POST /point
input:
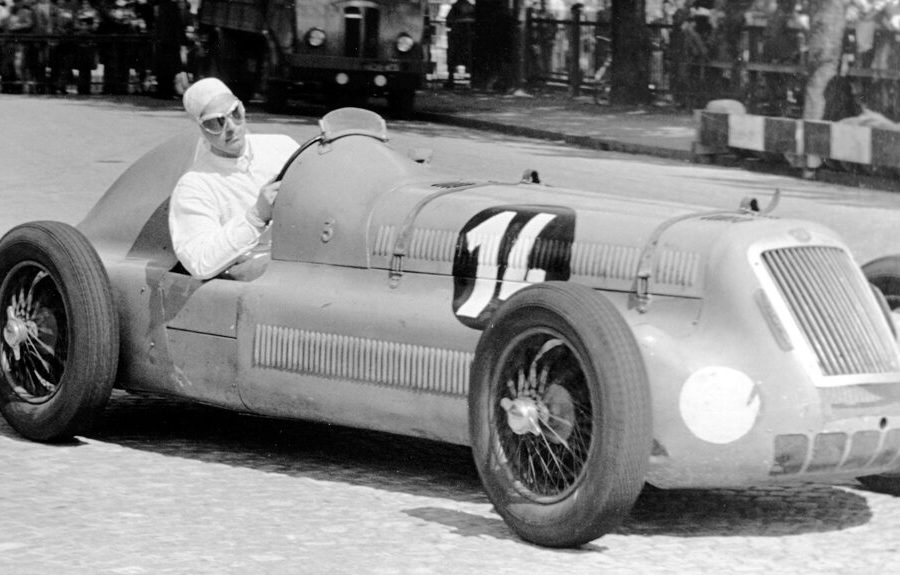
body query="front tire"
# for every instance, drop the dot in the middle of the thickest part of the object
(884, 274)
(59, 337)
(559, 414)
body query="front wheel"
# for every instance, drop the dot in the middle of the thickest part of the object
(59, 339)
(884, 274)
(559, 414)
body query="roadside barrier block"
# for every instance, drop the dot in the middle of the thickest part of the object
(843, 142)
(807, 141)
(886, 147)
(719, 133)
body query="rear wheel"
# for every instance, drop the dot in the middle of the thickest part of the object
(59, 344)
(884, 273)
(560, 414)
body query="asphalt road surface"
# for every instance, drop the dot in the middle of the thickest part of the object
(161, 486)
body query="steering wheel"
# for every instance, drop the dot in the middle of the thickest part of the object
(297, 152)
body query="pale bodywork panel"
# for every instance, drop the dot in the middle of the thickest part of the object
(371, 309)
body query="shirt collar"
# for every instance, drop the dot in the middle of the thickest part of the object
(241, 163)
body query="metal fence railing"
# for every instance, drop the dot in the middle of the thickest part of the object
(76, 63)
(574, 53)
(764, 68)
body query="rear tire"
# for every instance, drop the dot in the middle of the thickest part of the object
(559, 414)
(884, 273)
(59, 337)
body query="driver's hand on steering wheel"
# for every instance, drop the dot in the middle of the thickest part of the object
(262, 210)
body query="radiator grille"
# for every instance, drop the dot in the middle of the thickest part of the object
(833, 306)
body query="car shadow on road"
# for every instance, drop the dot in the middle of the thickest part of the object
(767, 511)
(383, 461)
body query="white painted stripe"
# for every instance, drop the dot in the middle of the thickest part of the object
(851, 143)
(746, 132)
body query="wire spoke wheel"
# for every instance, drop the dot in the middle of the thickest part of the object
(546, 406)
(34, 327)
(58, 331)
(559, 414)
(884, 274)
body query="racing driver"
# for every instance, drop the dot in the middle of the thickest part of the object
(222, 206)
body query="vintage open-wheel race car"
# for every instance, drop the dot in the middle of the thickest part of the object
(582, 344)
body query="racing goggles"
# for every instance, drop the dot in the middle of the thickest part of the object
(215, 123)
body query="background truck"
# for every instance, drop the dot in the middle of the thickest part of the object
(339, 51)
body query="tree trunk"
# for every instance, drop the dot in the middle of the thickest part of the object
(826, 36)
(630, 75)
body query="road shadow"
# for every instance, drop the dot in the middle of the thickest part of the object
(748, 512)
(295, 448)
(771, 511)
(426, 468)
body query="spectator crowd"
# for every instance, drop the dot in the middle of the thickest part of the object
(90, 46)
(773, 33)
(872, 26)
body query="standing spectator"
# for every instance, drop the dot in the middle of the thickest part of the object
(20, 21)
(678, 68)
(87, 19)
(887, 38)
(460, 21)
(169, 38)
(702, 11)
(115, 55)
(144, 11)
(864, 24)
(62, 55)
(46, 16)
(689, 51)
(4, 19)
(541, 37)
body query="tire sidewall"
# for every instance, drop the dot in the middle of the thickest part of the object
(537, 519)
(884, 273)
(75, 398)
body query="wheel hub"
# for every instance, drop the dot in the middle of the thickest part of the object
(16, 331)
(523, 415)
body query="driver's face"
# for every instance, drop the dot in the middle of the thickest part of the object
(232, 139)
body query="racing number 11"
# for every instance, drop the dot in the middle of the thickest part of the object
(488, 238)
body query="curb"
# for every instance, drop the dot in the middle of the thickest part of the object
(590, 142)
(809, 141)
(822, 174)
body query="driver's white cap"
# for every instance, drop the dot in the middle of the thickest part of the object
(201, 93)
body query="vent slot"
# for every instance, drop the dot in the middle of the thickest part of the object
(379, 362)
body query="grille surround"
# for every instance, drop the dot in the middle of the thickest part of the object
(833, 307)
